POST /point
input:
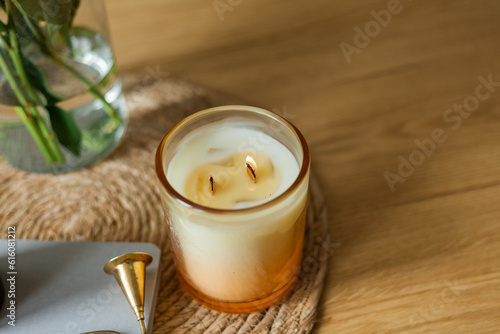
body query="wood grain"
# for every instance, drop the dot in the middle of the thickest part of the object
(421, 259)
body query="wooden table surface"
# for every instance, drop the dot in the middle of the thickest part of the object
(402, 118)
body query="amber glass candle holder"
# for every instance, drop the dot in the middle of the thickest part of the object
(245, 259)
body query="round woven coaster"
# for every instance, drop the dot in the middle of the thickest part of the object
(118, 199)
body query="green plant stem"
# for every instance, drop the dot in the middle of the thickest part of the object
(30, 122)
(34, 130)
(40, 40)
(47, 135)
(18, 65)
(110, 110)
(14, 52)
(44, 46)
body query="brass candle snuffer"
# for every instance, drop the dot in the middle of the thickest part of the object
(130, 273)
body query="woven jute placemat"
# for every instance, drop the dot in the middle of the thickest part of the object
(117, 199)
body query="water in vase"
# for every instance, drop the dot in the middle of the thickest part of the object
(91, 57)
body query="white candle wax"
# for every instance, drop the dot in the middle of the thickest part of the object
(223, 140)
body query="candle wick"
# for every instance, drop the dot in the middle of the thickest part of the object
(251, 172)
(211, 187)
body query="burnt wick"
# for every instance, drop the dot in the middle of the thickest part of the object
(211, 186)
(251, 172)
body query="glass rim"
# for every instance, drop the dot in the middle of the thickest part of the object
(160, 172)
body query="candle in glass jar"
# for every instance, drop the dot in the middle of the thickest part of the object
(235, 198)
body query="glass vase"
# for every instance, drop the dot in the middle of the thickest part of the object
(61, 102)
